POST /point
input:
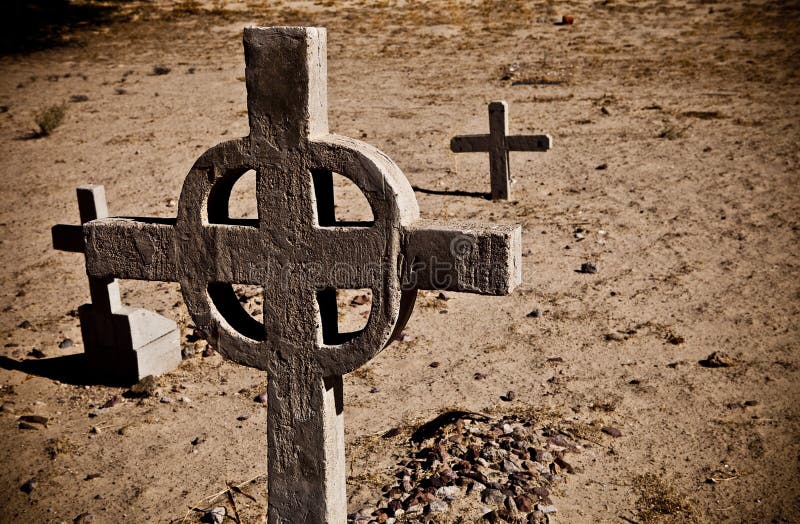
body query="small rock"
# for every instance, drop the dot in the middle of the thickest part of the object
(588, 268)
(567, 20)
(750, 403)
(479, 376)
(208, 351)
(242, 418)
(110, 403)
(434, 364)
(25, 324)
(546, 509)
(29, 486)
(448, 492)
(491, 516)
(602, 167)
(717, 359)
(83, 517)
(524, 504)
(536, 313)
(509, 467)
(215, 515)
(374, 389)
(65, 344)
(404, 337)
(198, 440)
(261, 398)
(443, 296)
(674, 339)
(7, 408)
(438, 506)
(614, 432)
(34, 419)
(509, 396)
(614, 337)
(94, 430)
(185, 400)
(165, 400)
(37, 353)
(144, 388)
(163, 70)
(492, 496)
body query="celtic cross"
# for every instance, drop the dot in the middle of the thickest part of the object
(300, 254)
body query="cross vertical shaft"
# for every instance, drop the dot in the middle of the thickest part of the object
(104, 291)
(498, 150)
(306, 460)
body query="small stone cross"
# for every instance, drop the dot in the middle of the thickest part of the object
(122, 344)
(300, 255)
(498, 143)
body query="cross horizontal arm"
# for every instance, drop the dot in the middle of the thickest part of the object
(528, 142)
(137, 249)
(68, 238)
(469, 144)
(461, 256)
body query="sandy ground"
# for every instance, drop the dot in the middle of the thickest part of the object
(693, 107)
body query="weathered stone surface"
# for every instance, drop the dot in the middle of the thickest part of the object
(498, 143)
(300, 255)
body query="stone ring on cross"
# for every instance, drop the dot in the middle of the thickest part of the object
(300, 255)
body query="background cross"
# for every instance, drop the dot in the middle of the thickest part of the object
(498, 143)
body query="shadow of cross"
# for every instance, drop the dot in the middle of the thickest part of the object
(300, 255)
(498, 143)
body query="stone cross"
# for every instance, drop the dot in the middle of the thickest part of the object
(122, 344)
(300, 255)
(498, 143)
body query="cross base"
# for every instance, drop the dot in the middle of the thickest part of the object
(129, 344)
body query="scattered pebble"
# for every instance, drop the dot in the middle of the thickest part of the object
(161, 70)
(33, 419)
(509, 396)
(536, 313)
(404, 337)
(208, 351)
(215, 515)
(261, 398)
(165, 400)
(588, 268)
(614, 432)
(434, 364)
(479, 376)
(198, 440)
(29, 486)
(602, 167)
(185, 400)
(36, 353)
(443, 296)
(717, 359)
(75, 99)
(65, 344)
(25, 324)
(242, 418)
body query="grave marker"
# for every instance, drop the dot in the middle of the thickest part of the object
(122, 344)
(300, 255)
(498, 143)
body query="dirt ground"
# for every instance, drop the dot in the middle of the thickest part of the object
(675, 168)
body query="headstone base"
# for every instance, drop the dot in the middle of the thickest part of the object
(129, 344)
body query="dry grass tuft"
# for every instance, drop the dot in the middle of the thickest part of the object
(658, 501)
(49, 119)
